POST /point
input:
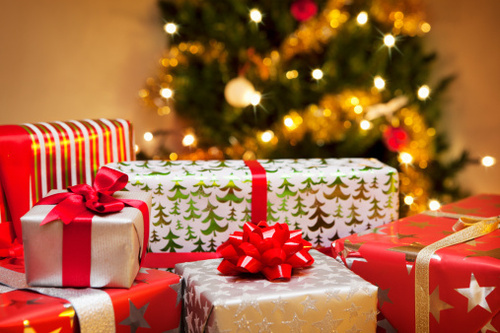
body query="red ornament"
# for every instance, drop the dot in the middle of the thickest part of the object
(303, 10)
(272, 251)
(396, 138)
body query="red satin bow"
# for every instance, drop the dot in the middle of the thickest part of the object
(273, 251)
(81, 198)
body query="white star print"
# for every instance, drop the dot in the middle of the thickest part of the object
(476, 294)
(309, 304)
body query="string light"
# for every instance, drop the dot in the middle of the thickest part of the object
(255, 98)
(362, 18)
(434, 205)
(148, 136)
(317, 74)
(188, 140)
(173, 156)
(405, 158)
(389, 40)
(267, 136)
(379, 82)
(423, 92)
(365, 125)
(170, 28)
(358, 109)
(288, 121)
(409, 200)
(255, 15)
(488, 161)
(166, 92)
(293, 74)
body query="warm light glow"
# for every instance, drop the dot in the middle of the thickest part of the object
(288, 121)
(136, 148)
(173, 156)
(365, 125)
(425, 27)
(362, 18)
(405, 158)
(488, 161)
(423, 92)
(255, 98)
(293, 74)
(354, 100)
(148, 136)
(358, 109)
(170, 28)
(188, 140)
(389, 40)
(434, 205)
(267, 136)
(408, 200)
(166, 92)
(255, 15)
(379, 82)
(317, 74)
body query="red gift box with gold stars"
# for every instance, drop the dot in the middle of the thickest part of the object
(433, 272)
(152, 304)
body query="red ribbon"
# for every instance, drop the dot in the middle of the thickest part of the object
(76, 208)
(272, 251)
(259, 191)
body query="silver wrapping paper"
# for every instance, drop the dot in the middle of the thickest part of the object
(117, 241)
(326, 297)
(94, 308)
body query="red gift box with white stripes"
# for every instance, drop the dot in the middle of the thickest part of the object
(35, 158)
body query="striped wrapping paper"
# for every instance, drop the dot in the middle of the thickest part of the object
(35, 158)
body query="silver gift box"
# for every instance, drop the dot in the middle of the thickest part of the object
(326, 297)
(117, 242)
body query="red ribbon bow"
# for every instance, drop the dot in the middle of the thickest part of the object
(84, 199)
(76, 208)
(273, 251)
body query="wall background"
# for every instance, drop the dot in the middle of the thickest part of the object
(88, 59)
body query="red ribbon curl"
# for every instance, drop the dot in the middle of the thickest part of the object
(76, 208)
(272, 251)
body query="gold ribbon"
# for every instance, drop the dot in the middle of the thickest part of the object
(471, 228)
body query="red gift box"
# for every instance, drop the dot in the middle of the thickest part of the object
(152, 304)
(463, 279)
(35, 158)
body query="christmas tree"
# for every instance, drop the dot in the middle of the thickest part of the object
(307, 78)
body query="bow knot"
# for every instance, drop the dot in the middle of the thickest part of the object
(83, 199)
(273, 251)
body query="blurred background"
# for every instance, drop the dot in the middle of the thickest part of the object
(63, 60)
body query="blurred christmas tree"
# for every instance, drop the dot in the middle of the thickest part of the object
(307, 78)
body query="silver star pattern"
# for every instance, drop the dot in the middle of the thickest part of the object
(353, 329)
(437, 305)
(328, 324)
(177, 287)
(295, 325)
(476, 294)
(264, 326)
(353, 310)
(279, 304)
(309, 304)
(135, 318)
(487, 327)
(243, 323)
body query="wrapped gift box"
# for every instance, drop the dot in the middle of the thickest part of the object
(35, 158)
(115, 246)
(152, 304)
(197, 205)
(464, 279)
(325, 297)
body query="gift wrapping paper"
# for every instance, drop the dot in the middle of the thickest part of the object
(198, 204)
(325, 297)
(116, 245)
(463, 279)
(152, 304)
(38, 157)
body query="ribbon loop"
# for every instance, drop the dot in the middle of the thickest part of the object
(264, 249)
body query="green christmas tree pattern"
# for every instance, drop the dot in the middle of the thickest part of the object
(337, 193)
(212, 218)
(319, 216)
(171, 244)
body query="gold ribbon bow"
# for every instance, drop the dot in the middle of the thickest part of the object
(467, 228)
